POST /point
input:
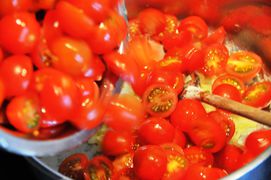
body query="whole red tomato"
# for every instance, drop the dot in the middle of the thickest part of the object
(150, 162)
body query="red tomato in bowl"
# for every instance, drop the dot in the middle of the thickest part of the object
(198, 155)
(228, 91)
(229, 79)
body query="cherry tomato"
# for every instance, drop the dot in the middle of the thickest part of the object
(258, 141)
(44, 4)
(228, 91)
(98, 10)
(228, 158)
(151, 21)
(187, 110)
(245, 158)
(195, 25)
(52, 132)
(59, 95)
(218, 36)
(150, 162)
(96, 69)
(179, 138)
(16, 72)
(258, 95)
(215, 61)
(125, 113)
(122, 66)
(159, 100)
(73, 53)
(198, 155)
(123, 161)
(170, 29)
(155, 131)
(170, 63)
(224, 119)
(133, 28)
(115, 143)
(1, 55)
(50, 26)
(244, 65)
(199, 172)
(23, 112)
(177, 40)
(89, 91)
(99, 167)
(108, 34)
(10, 6)
(176, 165)
(173, 79)
(208, 134)
(73, 20)
(2, 91)
(19, 32)
(74, 165)
(231, 80)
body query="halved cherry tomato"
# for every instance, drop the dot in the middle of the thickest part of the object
(170, 63)
(228, 158)
(151, 158)
(199, 172)
(23, 112)
(99, 167)
(228, 91)
(258, 141)
(208, 134)
(96, 69)
(176, 165)
(74, 165)
(116, 143)
(179, 40)
(133, 28)
(179, 138)
(244, 65)
(55, 131)
(224, 119)
(151, 21)
(198, 155)
(195, 25)
(258, 95)
(159, 100)
(215, 60)
(192, 57)
(245, 158)
(229, 79)
(155, 131)
(173, 79)
(19, 32)
(187, 110)
(125, 113)
(123, 161)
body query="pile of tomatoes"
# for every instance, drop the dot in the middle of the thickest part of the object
(152, 131)
(51, 63)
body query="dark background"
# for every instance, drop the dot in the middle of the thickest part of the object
(15, 167)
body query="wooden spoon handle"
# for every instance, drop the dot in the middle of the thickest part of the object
(250, 112)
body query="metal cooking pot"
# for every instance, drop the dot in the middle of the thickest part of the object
(260, 168)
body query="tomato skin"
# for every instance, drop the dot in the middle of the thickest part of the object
(16, 72)
(23, 112)
(2, 91)
(245, 158)
(258, 94)
(218, 36)
(69, 15)
(179, 138)
(187, 110)
(116, 143)
(258, 141)
(228, 158)
(155, 131)
(159, 100)
(10, 6)
(150, 157)
(225, 121)
(193, 58)
(71, 53)
(19, 38)
(228, 91)
(208, 134)
(229, 79)
(198, 155)
(74, 165)
(198, 172)
(244, 65)
(123, 161)
(151, 21)
(124, 113)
